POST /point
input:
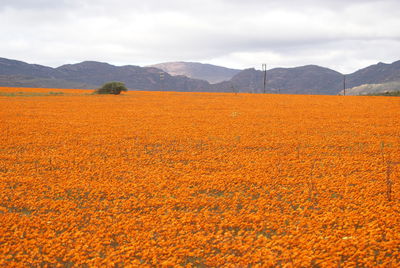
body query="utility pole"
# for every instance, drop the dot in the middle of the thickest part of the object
(264, 68)
(344, 85)
(162, 81)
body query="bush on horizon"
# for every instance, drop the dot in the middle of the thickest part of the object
(114, 88)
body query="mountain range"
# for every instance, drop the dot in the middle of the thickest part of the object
(189, 77)
(211, 73)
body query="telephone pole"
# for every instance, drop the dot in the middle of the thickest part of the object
(264, 68)
(162, 81)
(344, 85)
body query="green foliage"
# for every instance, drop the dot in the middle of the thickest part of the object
(31, 94)
(111, 88)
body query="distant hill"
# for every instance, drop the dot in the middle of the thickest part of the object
(14, 67)
(375, 74)
(40, 82)
(92, 74)
(310, 79)
(371, 89)
(211, 73)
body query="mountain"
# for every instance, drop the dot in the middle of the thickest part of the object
(91, 74)
(14, 67)
(309, 79)
(211, 73)
(368, 89)
(375, 74)
(39, 82)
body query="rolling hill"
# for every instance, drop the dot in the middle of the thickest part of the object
(92, 74)
(370, 89)
(309, 79)
(211, 73)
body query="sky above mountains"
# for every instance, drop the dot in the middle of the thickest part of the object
(342, 35)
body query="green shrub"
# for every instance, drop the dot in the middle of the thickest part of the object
(111, 88)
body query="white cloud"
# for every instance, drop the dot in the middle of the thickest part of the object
(339, 34)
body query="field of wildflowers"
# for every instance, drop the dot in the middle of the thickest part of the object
(196, 179)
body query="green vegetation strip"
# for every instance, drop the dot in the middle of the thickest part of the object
(39, 94)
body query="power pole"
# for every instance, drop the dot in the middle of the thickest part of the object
(162, 81)
(344, 85)
(264, 68)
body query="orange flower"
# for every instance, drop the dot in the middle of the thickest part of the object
(173, 179)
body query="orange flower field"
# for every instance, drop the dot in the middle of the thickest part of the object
(199, 179)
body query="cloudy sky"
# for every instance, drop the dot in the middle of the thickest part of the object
(341, 34)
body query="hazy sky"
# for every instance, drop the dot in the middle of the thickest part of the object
(341, 34)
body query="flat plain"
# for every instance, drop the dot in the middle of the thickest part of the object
(198, 179)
